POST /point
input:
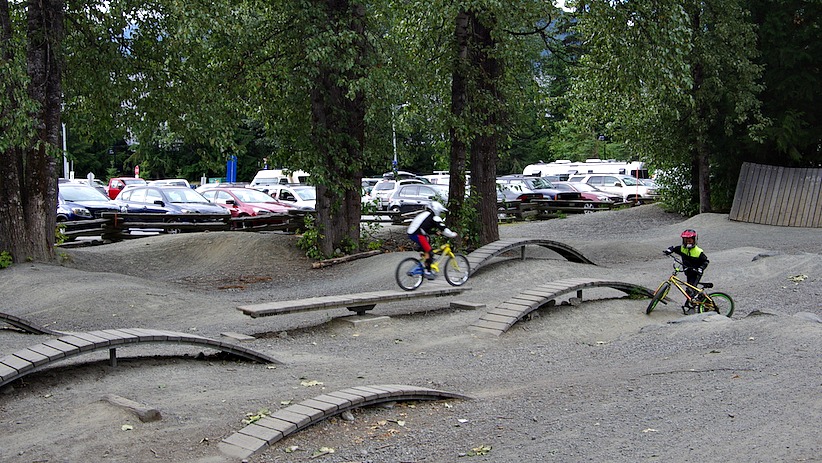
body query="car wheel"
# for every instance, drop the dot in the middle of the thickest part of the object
(588, 208)
(395, 209)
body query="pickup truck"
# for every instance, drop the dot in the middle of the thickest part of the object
(116, 184)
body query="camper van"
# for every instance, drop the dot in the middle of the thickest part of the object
(271, 177)
(565, 168)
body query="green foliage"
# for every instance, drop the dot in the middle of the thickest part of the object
(5, 259)
(675, 81)
(60, 234)
(310, 239)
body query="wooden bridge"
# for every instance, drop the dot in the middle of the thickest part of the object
(38, 356)
(259, 435)
(483, 255)
(499, 319)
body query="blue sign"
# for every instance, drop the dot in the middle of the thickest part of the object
(231, 169)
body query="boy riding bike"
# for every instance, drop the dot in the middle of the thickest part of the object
(693, 258)
(424, 224)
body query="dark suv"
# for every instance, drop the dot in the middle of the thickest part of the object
(531, 184)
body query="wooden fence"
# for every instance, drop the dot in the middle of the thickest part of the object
(770, 195)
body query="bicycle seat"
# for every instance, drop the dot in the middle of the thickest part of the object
(707, 285)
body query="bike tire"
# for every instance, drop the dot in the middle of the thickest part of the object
(457, 270)
(409, 273)
(720, 303)
(659, 295)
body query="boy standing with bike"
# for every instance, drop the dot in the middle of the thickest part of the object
(425, 223)
(693, 258)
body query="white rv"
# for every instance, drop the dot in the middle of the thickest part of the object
(564, 168)
(271, 177)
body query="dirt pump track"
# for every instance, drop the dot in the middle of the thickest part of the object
(600, 381)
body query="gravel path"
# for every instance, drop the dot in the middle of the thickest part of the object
(598, 382)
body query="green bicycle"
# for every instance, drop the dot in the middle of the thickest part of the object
(409, 273)
(695, 296)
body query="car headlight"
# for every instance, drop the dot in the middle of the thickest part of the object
(651, 192)
(81, 212)
(260, 211)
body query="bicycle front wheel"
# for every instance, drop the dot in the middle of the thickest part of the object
(409, 273)
(659, 295)
(457, 270)
(720, 303)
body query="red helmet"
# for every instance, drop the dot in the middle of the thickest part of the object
(688, 238)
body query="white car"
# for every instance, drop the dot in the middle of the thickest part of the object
(303, 197)
(629, 188)
(386, 187)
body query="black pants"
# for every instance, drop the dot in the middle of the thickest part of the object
(693, 279)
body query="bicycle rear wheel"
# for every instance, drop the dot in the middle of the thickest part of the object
(457, 270)
(409, 273)
(720, 303)
(659, 295)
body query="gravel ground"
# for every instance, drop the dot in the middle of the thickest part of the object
(601, 381)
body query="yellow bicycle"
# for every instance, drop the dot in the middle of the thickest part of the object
(695, 296)
(409, 273)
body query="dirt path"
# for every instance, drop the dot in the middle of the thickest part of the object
(598, 382)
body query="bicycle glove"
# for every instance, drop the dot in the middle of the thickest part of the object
(668, 251)
(449, 233)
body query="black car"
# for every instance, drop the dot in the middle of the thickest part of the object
(76, 201)
(529, 184)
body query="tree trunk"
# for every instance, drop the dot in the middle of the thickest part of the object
(28, 185)
(484, 148)
(700, 171)
(338, 135)
(458, 212)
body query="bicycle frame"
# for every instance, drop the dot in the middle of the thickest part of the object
(444, 252)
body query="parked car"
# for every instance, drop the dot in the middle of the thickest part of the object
(507, 195)
(97, 184)
(171, 182)
(76, 201)
(245, 202)
(167, 200)
(587, 191)
(117, 184)
(525, 183)
(416, 196)
(303, 197)
(384, 188)
(627, 187)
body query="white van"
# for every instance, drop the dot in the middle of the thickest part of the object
(271, 177)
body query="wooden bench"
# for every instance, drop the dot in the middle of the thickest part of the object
(358, 302)
(499, 319)
(25, 325)
(33, 358)
(262, 433)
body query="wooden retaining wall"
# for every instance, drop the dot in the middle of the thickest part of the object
(771, 195)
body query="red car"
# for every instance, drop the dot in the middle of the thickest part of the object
(245, 202)
(116, 185)
(587, 191)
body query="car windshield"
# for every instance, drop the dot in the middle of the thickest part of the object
(630, 181)
(540, 183)
(81, 193)
(247, 195)
(585, 187)
(384, 186)
(306, 194)
(133, 181)
(184, 195)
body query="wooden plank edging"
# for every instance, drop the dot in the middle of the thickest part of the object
(33, 358)
(257, 436)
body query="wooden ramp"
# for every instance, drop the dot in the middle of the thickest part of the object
(499, 319)
(483, 255)
(33, 358)
(25, 325)
(358, 302)
(259, 435)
